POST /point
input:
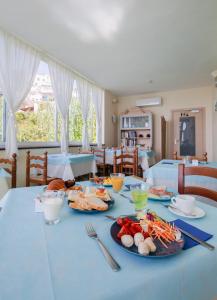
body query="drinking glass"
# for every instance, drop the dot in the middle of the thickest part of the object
(52, 203)
(117, 181)
(140, 197)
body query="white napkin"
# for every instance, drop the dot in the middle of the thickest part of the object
(38, 205)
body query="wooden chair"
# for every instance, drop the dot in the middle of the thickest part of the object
(126, 163)
(10, 166)
(40, 165)
(203, 158)
(86, 151)
(100, 160)
(196, 190)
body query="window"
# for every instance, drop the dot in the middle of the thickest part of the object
(36, 117)
(76, 122)
(38, 120)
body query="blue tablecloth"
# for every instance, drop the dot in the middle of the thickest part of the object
(68, 166)
(4, 174)
(5, 182)
(166, 173)
(62, 159)
(61, 262)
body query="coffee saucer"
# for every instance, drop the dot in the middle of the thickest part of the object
(196, 214)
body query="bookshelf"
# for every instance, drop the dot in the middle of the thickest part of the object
(136, 128)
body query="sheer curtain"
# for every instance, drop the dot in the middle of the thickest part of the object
(62, 82)
(18, 67)
(98, 99)
(84, 90)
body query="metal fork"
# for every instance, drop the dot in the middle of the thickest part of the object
(92, 233)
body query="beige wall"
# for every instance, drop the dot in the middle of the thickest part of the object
(110, 128)
(214, 125)
(178, 99)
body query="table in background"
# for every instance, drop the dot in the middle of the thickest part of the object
(69, 166)
(5, 182)
(146, 157)
(167, 174)
(61, 262)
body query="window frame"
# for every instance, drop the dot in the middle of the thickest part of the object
(27, 145)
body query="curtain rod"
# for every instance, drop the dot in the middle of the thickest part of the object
(44, 54)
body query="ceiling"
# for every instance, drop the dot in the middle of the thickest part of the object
(126, 46)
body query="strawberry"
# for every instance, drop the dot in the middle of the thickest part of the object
(124, 230)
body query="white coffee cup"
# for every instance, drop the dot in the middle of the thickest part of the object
(185, 203)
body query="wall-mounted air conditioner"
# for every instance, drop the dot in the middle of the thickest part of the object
(149, 102)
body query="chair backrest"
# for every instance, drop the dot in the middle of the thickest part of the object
(126, 161)
(85, 151)
(39, 163)
(196, 190)
(10, 166)
(203, 158)
(100, 155)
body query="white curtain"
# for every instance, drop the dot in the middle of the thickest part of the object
(18, 67)
(84, 91)
(62, 82)
(98, 100)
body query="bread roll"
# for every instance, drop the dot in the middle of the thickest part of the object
(56, 184)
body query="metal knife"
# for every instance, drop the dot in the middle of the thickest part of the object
(194, 238)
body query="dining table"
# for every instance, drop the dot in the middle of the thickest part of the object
(47, 262)
(165, 173)
(68, 166)
(146, 158)
(5, 182)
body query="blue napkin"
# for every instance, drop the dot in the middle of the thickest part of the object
(189, 243)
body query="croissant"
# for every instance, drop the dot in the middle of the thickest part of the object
(56, 184)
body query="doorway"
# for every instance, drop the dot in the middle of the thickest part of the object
(188, 132)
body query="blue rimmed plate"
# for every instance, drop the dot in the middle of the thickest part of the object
(93, 211)
(152, 198)
(161, 251)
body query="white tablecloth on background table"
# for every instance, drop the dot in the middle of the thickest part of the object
(166, 173)
(5, 182)
(71, 165)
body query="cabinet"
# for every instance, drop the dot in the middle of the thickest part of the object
(136, 128)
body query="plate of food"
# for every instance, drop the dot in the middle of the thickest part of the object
(159, 193)
(150, 236)
(90, 200)
(105, 181)
(61, 185)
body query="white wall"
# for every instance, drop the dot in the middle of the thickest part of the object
(172, 100)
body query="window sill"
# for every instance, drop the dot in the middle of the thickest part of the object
(43, 145)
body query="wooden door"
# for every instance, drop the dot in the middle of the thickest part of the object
(188, 132)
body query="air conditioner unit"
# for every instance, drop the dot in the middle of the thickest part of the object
(149, 102)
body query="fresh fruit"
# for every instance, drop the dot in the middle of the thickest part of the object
(124, 230)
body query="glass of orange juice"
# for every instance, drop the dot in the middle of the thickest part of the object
(117, 181)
